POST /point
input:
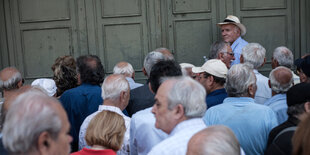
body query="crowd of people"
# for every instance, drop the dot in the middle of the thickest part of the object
(223, 107)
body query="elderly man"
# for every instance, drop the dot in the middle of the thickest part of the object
(141, 97)
(36, 124)
(282, 56)
(280, 80)
(116, 93)
(143, 134)
(126, 69)
(180, 104)
(217, 139)
(250, 122)
(166, 52)
(212, 77)
(232, 30)
(253, 55)
(222, 50)
(10, 81)
(298, 102)
(305, 69)
(83, 100)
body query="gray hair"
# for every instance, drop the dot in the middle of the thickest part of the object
(239, 78)
(151, 59)
(278, 87)
(284, 56)
(123, 68)
(190, 94)
(220, 140)
(113, 85)
(12, 82)
(29, 115)
(253, 55)
(217, 48)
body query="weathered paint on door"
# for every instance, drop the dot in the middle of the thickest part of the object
(34, 32)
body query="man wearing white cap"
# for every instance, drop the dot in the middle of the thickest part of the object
(232, 30)
(212, 77)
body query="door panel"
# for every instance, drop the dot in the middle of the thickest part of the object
(191, 28)
(43, 30)
(122, 32)
(268, 23)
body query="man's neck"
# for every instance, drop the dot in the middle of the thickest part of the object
(214, 88)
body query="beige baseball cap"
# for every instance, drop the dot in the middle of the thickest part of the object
(214, 67)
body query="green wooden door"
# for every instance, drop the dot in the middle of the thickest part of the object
(34, 32)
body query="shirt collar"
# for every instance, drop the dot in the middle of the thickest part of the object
(111, 108)
(239, 100)
(185, 124)
(236, 42)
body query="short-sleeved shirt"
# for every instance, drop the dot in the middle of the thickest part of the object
(250, 122)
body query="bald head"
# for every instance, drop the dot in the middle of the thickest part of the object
(124, 68)
(10, 78)
(281, 79)
(216, 139)
(166, 52)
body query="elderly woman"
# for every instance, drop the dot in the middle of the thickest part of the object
(65, 75)
(104, 134)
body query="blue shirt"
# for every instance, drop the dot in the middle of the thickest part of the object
(216, 97)
(237, 49)
(143, 133)
(278, 104)
(80, 102)
(250, 122)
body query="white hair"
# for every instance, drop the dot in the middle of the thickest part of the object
(151, 59)
(190, 94)
(239, 78)
(123, 68)
(284, 56)
(220, 140)
(253, 55)
(184, 66)
(29, 115)
(113, 86)
(12, 82)
(276, 86)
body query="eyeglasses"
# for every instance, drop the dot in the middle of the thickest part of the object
(230, 53)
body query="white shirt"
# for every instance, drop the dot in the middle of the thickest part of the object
(296, 78)
(176, 143)
(132, 83)
(125, 147)
(143, 133)
(263, 91)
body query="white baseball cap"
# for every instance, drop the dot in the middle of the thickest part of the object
(214, 67)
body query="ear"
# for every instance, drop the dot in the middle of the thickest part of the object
(252, 90)
(221, 56)
(179, 111)
(44, 142)
(151, 88)
(133, 75)
(20, 84)
(241, 59)
(144, 72)
(263, 62)
(307, 107)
